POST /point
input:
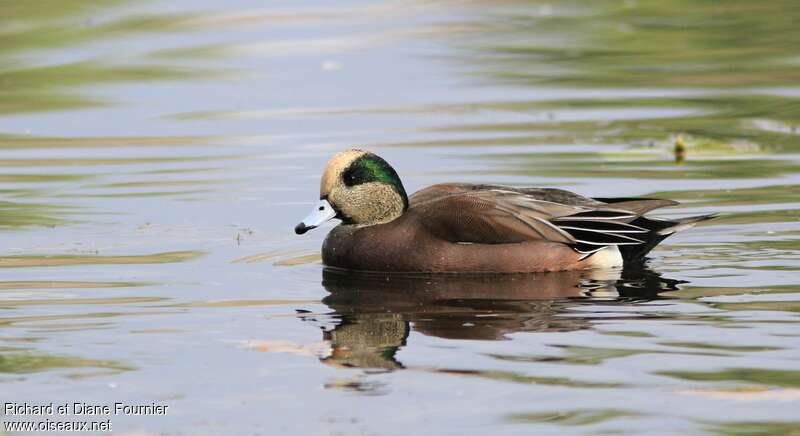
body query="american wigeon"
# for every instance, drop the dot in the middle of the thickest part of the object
(459, 227)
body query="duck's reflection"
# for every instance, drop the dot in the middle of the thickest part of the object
(376, 312)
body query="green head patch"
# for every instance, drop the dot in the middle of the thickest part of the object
(371, 168)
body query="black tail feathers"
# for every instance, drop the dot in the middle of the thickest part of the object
(659, 229)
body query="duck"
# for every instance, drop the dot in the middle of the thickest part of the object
(476, 228)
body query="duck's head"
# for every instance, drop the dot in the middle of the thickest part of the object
(357, 187)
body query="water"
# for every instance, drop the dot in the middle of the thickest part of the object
(156, 155)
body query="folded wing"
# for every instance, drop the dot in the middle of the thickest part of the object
(488, 214)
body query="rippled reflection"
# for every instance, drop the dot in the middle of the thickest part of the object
(377, 311)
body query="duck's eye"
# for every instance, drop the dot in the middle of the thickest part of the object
(321, 208)
(355, 175)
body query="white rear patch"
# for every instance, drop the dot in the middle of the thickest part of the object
(609, 257)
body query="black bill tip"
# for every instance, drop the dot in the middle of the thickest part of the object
(302, 228)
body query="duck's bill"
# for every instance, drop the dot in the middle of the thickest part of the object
(322, 212)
